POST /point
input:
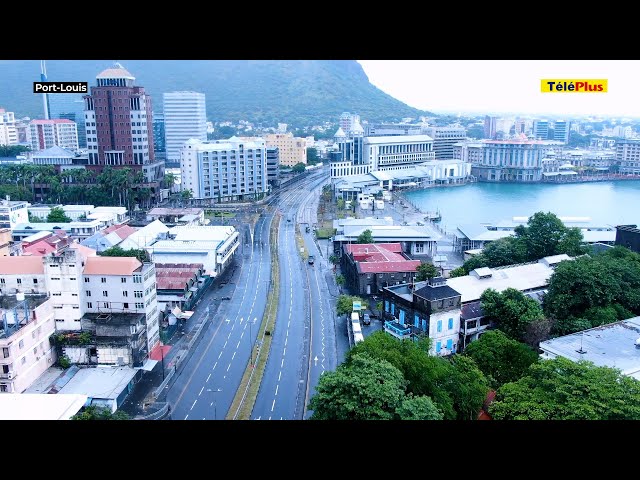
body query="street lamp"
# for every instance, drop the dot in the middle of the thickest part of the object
(215, 411)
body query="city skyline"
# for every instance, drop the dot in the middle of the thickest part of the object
(504, 86)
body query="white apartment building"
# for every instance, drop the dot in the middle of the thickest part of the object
(185, 117)
(444, 139)
(79, 230)
(628, 157)
(26, 323)
(22, 274)
(63, 276)
(13, 213)
(397, 152)
(122, 285)
(471, 152)
(74, 212)
(43, 134)
(292, 149)
(8, 131)
(224, 169)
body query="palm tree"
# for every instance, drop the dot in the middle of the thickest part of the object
(170, 180)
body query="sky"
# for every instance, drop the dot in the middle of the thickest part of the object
(500, 86)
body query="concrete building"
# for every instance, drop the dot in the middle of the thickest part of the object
(104, 386)
(430, 308)
(121, 286)
(348, 121)
(5, 242)
(369, 267)
(26, 323)
(59, 157)
(628, 157)
(230, 169)
(119, 123)
(541, 129)
(444, 139)
(109, 237)
(291, 150)
(74, 212)
(8, 132)
(180, 285)
(44, 243)
(628, 236)
(159, 139)
(13, 213)
(109, 215)
(69, 106)
(273, 166)
(40, 406)
(78, 230)
(469, 152)
(212, 246)
(490, 127)
(561, 130)
(513, 160)
(22, 274)
(185, 117)
(614, 345)
(424, 175)
(44, 134)
(145, 236)
(175, 216)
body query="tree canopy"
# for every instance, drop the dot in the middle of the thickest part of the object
(501, 359)
(298, 167)
(511, 310)
(365, 237)
(116, 251)
(560, 389)
(418, 408)
(57, 215)
(95, 412)
(425, 271)
(344, 305)
(592, 291)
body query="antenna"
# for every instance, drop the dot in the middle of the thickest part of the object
(43, 78)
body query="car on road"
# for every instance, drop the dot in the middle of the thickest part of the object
(366, 319)
(307, 229)
(311, 259)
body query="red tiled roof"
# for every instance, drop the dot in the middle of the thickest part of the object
(170, 283)
(123, 231)
(381, 258)
(111, 265)
(21, 265)
(388, 267)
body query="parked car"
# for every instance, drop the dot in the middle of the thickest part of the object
(366, 319)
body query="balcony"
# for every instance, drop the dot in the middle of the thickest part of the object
(397, 330)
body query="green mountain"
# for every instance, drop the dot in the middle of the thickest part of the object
(298, 92)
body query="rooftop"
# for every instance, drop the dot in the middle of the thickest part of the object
(398, 139)
(50, 121)
(114, 318)
(174, 211)
(21, 265)
(199, 232)
(40, 406)
(612, 345)
(100, 382)
(381, 258)
(7, 302)
(54, 152)
(437, 292)
(111, 265)
(117, 71)
(523, 277)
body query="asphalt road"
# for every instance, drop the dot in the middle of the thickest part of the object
(283, 392)
(206, 384)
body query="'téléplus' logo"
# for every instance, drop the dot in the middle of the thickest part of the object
(598, 85)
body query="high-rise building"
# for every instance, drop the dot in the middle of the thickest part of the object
(159, 142)
(232, 169)
(71, 107)
(444, 138)
(185, 117)
(628, 157)
(292, 150)
(513, 160)
(541, 129)
(8, 132)
(490, 127)
(120, 127)
(273, 166)
(561, 131)
(45, 134)
(348, 121)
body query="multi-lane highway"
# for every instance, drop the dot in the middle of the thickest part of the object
(207, 382)
(304, 318)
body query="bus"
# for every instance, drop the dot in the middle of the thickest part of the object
(354, 329)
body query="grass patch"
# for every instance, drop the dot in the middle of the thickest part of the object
(300, 243)
(323, 233)
(251, 383)
(214, 214)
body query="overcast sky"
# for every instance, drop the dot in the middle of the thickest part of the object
(487, 86)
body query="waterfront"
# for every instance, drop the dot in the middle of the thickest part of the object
(604, 202)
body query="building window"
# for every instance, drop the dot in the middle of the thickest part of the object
(35, 281)
(1, 280)
(72, 278)
(123, 279)
(57, 294)
(139, 305)
(438, 347)
(59, 319)
(19, 281)
(88, 292)
(439, 326)
(5, 352)
(450, 326)
(103, 280)
(126, 305)
(125, 293)
(106, 304)
(105, 293)
(450, 344)
(137, 294)
(21, 344)
(89, 305)
(86, 279)
(23, 360)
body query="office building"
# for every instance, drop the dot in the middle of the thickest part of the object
(232, 169)
(291, 150)
(348, 122)
(119, 127)
(44, 134)
(159, 142)
(273, 166)
(185, 117)
(540, 130)
(628, 157)
(13, 213)
(69, 106)
(561, 130)
(490, 127)
(444, 139)
(8, 132)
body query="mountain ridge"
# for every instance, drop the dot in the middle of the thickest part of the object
(298, 92)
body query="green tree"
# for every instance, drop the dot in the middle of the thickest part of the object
(340, 280)
(298, 167)
(340, 204)
(365, 237)
(425, 271)
(344, 305)
(334, 259)
(312, 156)
(512, 311)
(169, 180)
(57, 215)
(364, 389)
(117, 251)
(546, 235)
(33, 218)
(505, 251)
(458, 272)
(501, 359)
(418, 408)
(560, 389)
(186, 194)
(95, 412)
(64, 361)
(467, 387)
(13, 150)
